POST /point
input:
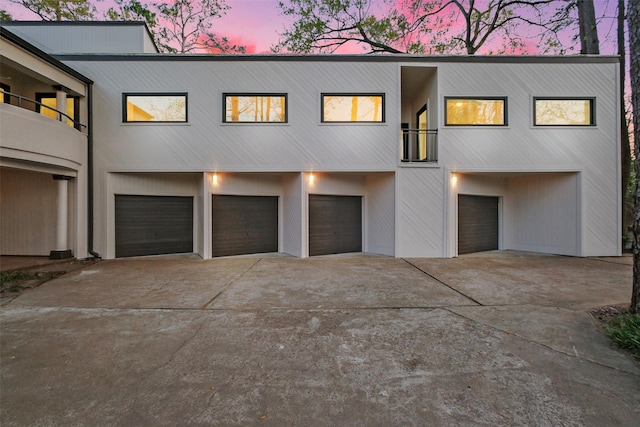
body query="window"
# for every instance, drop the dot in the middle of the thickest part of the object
(5, 98)
(154, 107)
(352, 108)
(255, 108)
(564, 112)
(48, 103)
(463, 111)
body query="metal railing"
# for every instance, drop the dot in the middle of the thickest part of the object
(419, 145)
(60, 116)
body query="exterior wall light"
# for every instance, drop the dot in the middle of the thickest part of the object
(214, 178)
(454, 179)
(311, 178)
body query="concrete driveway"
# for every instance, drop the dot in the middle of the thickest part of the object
(499, 338)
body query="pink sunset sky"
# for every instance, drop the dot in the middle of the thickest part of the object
(257, 24)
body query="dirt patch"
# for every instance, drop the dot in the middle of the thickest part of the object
(605, 316)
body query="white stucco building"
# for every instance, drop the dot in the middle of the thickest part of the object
(401, 155)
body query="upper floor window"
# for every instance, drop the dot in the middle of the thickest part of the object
(3, 97)
(353, 108)
(154, 107)
(465, 111)
(255, 108)
(564, 112)
(48, 103)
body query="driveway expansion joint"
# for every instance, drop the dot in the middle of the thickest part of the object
(442, 283)
(228, 285)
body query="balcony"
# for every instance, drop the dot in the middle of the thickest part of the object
(50, 138)
(419, 146)
(41, 107)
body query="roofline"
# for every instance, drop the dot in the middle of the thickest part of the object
(8, 35)
(385, 58)
(84, 23)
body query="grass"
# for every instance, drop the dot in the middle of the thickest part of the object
(625, 332)
(12, 281)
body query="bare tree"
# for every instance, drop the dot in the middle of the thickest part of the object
(633, 20)
(625, 144)
(59, 10)
(185, 26)
(417, 26)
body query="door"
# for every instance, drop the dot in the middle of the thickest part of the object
(477, 223)
(335, 224)
(244, 225)
(153, 225)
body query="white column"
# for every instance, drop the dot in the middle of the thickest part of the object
(61, 104)
(62, 249)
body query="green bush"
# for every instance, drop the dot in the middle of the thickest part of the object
(625, 332)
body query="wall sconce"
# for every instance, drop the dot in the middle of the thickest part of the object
(311, 178)
(214, 178)
(454, 179)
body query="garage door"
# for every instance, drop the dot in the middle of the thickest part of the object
(477, 224)
(244, 225)
(335, 224)
(153, 225)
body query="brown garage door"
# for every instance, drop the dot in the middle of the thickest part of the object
(153, 225)
(477, 224)
(244, 225)
(335, 224)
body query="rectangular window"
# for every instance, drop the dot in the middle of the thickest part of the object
(255, 108)
(3, 97)
(154, 107)
(352, 108)
(48, 103)
(564, 112)
(463, 111)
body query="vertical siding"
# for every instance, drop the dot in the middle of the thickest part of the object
(420, 212)
(292, 215)
(542, 214)
(380, 209)
(29, 206)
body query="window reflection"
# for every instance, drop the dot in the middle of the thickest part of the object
(255, 108)
(476, 111)
(156, 108)
(563, 112)
(353, 108)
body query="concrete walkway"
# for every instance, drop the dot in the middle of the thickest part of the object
(499, 338)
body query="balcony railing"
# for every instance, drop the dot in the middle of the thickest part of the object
(23, 102)
(419, 145)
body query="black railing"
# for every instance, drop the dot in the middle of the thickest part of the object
(419, 145)
(38, 106)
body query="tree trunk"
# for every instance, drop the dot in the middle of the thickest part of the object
(625, 147)
(633, 20)
(589, 43)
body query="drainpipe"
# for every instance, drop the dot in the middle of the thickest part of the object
(90, 172)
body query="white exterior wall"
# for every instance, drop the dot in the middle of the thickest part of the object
(85, 37)
(421, 219)
(521, 147)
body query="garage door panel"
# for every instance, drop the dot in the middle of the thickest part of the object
(335, 224)
(244, 225)
(153, 225)
(477, 224)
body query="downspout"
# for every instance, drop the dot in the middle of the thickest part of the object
(90, 173)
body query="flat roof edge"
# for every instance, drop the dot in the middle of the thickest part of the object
(396, 58)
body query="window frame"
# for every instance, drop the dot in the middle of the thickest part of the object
(155, 94)
(505, 99)
(383, 118)
(52, 95)
(256, 94)
(592, 110)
